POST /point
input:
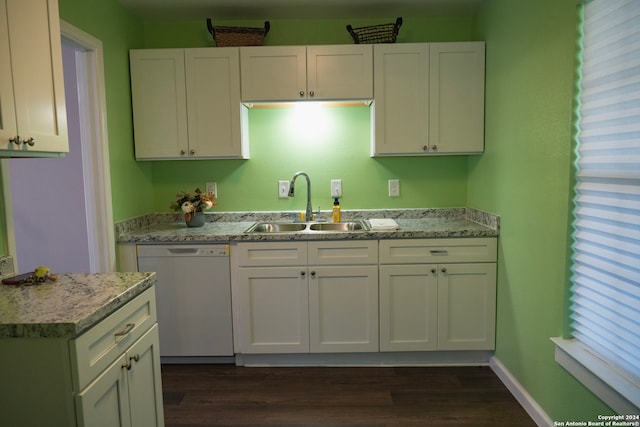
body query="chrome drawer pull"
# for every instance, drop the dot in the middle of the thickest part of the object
(439, 252)
(126, 331)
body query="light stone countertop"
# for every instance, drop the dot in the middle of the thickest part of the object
(69, 306)
(220, 227)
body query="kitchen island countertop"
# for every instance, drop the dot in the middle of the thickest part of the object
(69, 306)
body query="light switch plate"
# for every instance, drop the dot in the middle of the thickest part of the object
(394, 188)
(336, 188)
(283, 189)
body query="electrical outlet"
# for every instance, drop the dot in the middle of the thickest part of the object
(336, 188)
(283, 189)
(394, 188)
(212, 188)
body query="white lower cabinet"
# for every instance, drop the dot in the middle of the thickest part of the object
(125, 393)
(408, 308)
(317, 297)
(116, 368)
(107, 376)
(401, 295)
(430, 305)
(343, 309)
(274, 313)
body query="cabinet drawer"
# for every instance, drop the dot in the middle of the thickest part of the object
(349, 252)
(267, 254)
(93, 351)
(420, 251)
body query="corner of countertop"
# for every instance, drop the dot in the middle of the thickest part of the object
(6, 266)
(482, 217)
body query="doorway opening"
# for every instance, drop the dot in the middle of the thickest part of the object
(59, 211)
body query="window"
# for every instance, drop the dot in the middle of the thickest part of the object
(605, 301)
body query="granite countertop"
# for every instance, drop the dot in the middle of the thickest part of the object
(69, 306)
(413, 223)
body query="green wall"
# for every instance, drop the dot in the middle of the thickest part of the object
(333, 144)
(524, 176)
(131, 183)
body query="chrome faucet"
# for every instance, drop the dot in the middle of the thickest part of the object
(308, 215)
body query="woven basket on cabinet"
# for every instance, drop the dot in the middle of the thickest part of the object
(383, 33)
(238, 36)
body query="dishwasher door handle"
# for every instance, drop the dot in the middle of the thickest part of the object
(183, 250)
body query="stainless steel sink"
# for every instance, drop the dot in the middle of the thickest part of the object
(308, 227)
(276, 227)
(339, 226)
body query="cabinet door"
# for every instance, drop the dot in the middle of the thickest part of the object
(401, 103)
(466, 306)
(213, 102)
(457, 97)
(144, 381)
(32, 84)
(105, 402)
(343, 309)
(159, 103)
(408, 307)
(273, 73)
(340, 72)
(274, 310)
(129, 391)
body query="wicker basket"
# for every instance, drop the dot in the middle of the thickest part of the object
(238, 36)
(383, 33)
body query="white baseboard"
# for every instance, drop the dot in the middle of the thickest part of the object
(522, 396)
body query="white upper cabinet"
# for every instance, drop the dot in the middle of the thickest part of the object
(294, 73)
(456, 94)
(401, 85)
(33, 119)
(186, 103)
(429, 99)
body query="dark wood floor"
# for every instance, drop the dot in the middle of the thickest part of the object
(226, 395)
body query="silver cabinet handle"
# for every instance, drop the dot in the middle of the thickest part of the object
(434, 148)
(192, 152)
(301, 93)
(425, 148)
(29, 141)
(182, 152)
(15, 140)
(133, 358)
(126, 331)
(312, 94)
(439, 252)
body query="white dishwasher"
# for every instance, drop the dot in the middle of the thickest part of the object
(193, 295)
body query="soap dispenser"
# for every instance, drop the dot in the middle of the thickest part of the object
(335, 212)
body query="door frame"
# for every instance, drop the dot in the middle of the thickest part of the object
(95, 157)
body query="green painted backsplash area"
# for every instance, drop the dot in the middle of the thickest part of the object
(119, 31)
(524, 176)
(328, 143)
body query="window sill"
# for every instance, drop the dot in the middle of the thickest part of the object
(614, 388)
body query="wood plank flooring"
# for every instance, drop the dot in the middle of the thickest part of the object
(227, 395)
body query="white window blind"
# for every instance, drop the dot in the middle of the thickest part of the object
(605, 310)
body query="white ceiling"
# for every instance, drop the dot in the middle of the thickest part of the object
(296, 9)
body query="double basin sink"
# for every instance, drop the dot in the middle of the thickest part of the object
(308, 227)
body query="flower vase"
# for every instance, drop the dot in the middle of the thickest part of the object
(194, 219)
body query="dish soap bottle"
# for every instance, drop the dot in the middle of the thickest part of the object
(335, 212)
